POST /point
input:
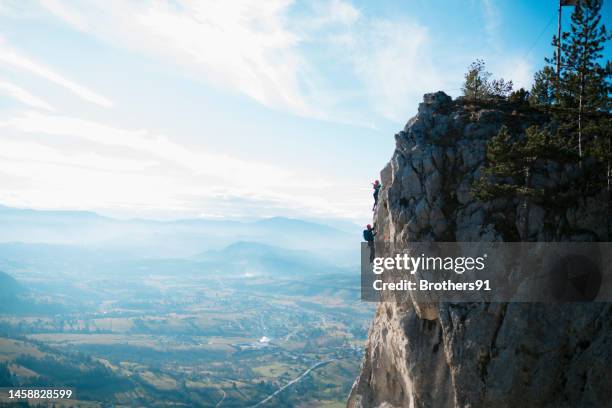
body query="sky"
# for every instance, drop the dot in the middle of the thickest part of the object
(234, 109)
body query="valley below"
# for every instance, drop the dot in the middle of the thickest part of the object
(246, 325)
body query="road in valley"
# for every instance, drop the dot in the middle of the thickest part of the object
(295, 380)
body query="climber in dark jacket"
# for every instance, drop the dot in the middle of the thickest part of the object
(376, 185)
(368, 235)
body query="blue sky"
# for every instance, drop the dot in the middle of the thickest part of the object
(171, 109)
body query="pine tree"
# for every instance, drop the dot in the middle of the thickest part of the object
(511, 161)
(544, 87)
(585, 83)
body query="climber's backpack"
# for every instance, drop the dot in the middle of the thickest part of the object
(367, 235)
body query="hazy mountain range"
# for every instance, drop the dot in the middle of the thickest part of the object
(51, 252)
(179, 238)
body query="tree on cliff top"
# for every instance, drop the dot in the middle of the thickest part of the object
(479, 85)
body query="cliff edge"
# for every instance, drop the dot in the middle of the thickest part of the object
(480, 354)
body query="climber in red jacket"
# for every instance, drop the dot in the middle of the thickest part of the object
(376, 186)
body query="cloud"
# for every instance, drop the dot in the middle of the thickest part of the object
(13, 58)
(87, 164)
(517, 69)
(264, 50)
(333, 12)
(24, 96)
(249, 48)
(393, 60)
(222, 167)
(66, 13)
(343, 12)
(252, 48)
(492, 22)
(24, 150)
(268, 50)
(242, 45)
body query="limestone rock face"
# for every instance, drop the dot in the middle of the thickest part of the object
(475, 354)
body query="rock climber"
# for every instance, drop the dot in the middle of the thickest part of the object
(376, 186)
(368, 235)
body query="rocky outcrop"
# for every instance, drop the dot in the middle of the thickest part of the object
(479, 354)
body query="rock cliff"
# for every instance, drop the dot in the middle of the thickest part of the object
(479, 354)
